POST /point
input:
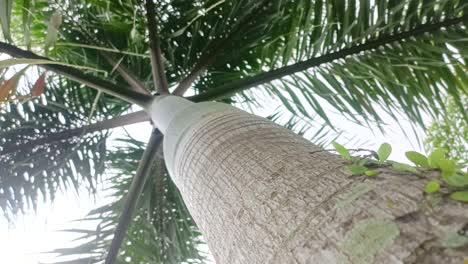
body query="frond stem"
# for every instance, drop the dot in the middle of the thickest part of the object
(209, 58)
(79, 76)
(133, 118)
(229, 89)
(143, 172)
(157, 65)
(131, 79)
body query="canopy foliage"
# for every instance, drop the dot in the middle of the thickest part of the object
(360, 58)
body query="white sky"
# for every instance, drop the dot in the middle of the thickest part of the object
(36, 233)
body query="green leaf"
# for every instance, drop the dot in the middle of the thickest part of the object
(93, 47)
(436, 156)
(460, 196)
(449, 173)
(27, 14)
(447, 166)
(432, 187)
(371, 172)
(17, 61)
(341, 150)
(384, 151)
(207, 9)
(417, 158)
(448, 131)
(5, 17)
(455, 179)
(404, 167)
(356, 169)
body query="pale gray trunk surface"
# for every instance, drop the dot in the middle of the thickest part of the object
(260, 196)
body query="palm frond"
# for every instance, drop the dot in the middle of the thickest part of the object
(394, 65)
(294, 31)
(30, 175)
(162, 230)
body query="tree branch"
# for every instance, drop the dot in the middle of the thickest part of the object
(78, 76)
(209, 58)
(126, 74)
(229, 89)
(143, 172)
(128, 119)
(159, 76)
(134, 83)
(199, 68)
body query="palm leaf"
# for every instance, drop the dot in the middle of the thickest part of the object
(162, 230)
(29, 175)
(5, 17)
(360, 65)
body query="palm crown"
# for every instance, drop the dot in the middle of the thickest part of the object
(361, 58)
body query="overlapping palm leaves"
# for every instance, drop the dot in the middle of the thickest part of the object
(418, 64)
(235, 40)
(360, 58)
(162, 230)
(29, 173)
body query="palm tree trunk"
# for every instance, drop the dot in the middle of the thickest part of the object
(259, 195)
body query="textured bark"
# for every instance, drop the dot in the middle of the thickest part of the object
(259, 195)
